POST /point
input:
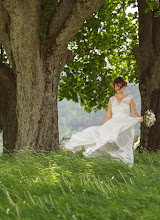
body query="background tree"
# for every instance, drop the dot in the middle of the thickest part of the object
(148, 60)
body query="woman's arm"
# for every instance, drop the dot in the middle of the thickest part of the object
(133, 107)
(109, 112)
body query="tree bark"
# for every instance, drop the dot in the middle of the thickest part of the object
(8, 103)
(37, 64)
(154, 141)
(148, 60)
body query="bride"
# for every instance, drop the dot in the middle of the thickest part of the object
(115, 136)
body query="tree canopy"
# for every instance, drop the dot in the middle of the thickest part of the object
(104, 51)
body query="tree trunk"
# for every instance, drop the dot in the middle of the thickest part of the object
(37, 74)
(148, 60)
(37, 64)
(37, 107)
(8, 115)
(150, 138)
(30, 115)
(154, 141)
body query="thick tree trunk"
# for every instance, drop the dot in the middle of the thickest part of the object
(37, 89)
(37, 76)
(37, 107)
(154, 141)
(30, 115)
(37, 64)
(148, 60)
(150, 99)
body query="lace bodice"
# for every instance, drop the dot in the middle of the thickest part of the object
(121, 108)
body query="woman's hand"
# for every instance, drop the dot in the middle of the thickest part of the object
(133, 107)
(141, 120)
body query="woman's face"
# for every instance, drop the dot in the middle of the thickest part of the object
(118, 89)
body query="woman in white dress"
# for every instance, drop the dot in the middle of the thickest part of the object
(115, 136)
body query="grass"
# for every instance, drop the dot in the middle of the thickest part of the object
(61, 185)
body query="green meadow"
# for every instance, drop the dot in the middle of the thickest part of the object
(63, 185)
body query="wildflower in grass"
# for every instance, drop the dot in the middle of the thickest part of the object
(24, 202)
(101, 182)
(36, 179)
(73, 216)
(112, 178)
(149, 118)
(7, 211)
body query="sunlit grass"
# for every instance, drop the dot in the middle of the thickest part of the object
(61, 185)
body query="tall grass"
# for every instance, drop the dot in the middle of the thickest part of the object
(61, 185)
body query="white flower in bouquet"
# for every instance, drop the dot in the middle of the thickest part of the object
(149, 118)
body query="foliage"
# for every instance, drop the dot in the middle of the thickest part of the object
(153, 5)
(107, 37)
(3, 57)
(61, 185)
(103, 49)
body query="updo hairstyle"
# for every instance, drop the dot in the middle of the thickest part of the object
(121, 81)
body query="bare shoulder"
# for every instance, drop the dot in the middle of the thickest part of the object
(110, 101)
(111, 97)
(132, 101)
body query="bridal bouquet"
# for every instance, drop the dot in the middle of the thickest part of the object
(149, 118)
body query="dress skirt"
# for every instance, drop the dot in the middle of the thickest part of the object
(115, 138)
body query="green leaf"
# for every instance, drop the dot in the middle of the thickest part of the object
(157, 14)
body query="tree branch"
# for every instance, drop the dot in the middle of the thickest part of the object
(59, 16)
(73, 14)
(70, 56)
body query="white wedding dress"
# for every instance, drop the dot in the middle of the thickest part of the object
(115, 137)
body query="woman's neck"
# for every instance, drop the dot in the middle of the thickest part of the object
(120, 95)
